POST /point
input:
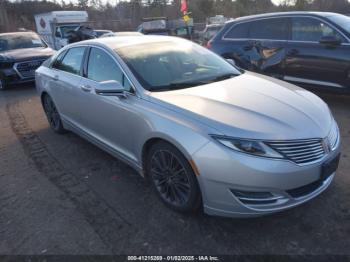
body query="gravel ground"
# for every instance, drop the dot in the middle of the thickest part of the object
(62, 195)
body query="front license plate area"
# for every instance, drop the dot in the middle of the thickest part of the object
(329, 167)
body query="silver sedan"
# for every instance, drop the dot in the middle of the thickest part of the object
(205, 133)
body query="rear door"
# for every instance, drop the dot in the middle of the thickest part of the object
(259, 45)
(66, 77)
(311, 63)
(235, 44)
(267, 45)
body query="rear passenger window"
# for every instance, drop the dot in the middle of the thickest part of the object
(238, 31)
(71, 62)
(311, 30)
(56, 64)
(102, 67)
(270, 29)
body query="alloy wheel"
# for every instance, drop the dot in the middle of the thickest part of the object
(170, 178)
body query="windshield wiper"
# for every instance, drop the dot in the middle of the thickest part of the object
(177, 85)
(223, 77)
(181, 85)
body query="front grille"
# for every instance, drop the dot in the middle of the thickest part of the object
(27, 69)
(300, 151)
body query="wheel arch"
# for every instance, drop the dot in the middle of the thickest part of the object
(153, 140)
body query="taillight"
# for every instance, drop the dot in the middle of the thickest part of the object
(208, 45)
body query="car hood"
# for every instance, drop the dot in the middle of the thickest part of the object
(27, 54)
(252, 106)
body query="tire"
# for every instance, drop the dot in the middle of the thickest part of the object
(53, 117)
(172, 178)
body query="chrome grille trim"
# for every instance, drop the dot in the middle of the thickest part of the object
(301, 152)
(298, 147)
(306, 153)
(26, 69)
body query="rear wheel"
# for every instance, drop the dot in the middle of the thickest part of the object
(173, 178)
(52, 115)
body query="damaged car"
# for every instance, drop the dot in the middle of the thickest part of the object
(310, 49)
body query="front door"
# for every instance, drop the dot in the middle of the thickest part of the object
(109, 119)
(309, 62)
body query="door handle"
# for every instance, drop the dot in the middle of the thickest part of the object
(55, 78)
(85, 88)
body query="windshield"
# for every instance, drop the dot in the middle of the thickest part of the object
(66, 29)
(341, 20)
(19, 41)
(171, 65)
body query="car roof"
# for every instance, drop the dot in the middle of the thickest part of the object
(281, 14)
(122, 41)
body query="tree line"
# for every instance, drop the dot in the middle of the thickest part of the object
(126, 15)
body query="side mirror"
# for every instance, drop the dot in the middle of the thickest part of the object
(231, 61)
(110, 88)
(330, 41)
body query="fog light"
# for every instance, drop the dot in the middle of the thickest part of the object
(256, 198)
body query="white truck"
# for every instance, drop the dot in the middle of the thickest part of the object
(54, 26)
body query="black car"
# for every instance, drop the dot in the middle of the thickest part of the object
(21, 53)
(311, 49)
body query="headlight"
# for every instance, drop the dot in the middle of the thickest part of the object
(252, 147)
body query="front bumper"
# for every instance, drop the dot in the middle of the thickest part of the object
(10, 77)
(230, 182)
(20, 72)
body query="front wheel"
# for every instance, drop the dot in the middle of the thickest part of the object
(173, 178)
(52, 115)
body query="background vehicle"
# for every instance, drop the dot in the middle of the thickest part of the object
(81, 33)
(218, 20)
(163, 26)
(173, 110)
(99, 33)
(311, 49)
(112, 34)
(209, 32)
(53, 27)
(21, 54)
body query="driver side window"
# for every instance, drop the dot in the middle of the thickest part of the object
(102, 67)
